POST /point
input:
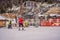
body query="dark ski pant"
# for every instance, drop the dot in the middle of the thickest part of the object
(9, 26)
(21, 25)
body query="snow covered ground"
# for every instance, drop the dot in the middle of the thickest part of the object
(30, 33)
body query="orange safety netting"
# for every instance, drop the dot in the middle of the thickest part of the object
(53, 22)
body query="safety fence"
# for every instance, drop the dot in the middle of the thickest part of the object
(50, 22)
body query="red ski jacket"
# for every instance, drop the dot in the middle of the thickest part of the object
(20, 20)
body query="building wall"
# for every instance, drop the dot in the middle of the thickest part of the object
(2, 23)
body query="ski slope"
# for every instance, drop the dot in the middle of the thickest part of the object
(30, 33)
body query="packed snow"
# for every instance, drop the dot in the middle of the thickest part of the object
(30, 33)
